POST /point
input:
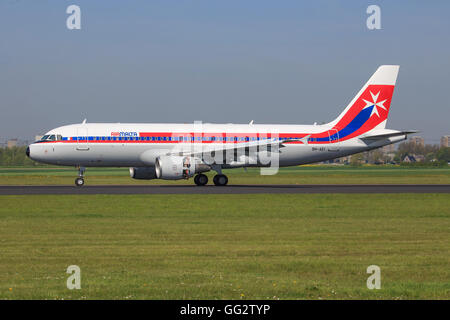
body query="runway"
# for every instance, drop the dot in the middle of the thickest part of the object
(231, 189)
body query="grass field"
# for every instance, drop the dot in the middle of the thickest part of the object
(291, 175)
(226, 246)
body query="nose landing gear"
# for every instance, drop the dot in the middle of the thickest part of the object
(79, 182)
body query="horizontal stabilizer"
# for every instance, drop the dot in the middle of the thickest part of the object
(383, 135)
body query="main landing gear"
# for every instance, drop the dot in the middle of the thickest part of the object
(79, 182)
(219, 180)
(201, 179)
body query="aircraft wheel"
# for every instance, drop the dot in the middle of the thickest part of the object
(79, 182)
(220, 180)
(201, 179)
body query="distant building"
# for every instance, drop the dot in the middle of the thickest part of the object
(389, 157)
(344, 160)
(388, 149)
(418, 141)
(445, 141)
(409, 159)
(11, 143)
(414, 158)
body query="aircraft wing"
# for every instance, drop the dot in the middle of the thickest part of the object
(204, 148)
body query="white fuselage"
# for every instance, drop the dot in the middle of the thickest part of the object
(138, 145)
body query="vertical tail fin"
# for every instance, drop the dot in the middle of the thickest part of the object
(369, 109)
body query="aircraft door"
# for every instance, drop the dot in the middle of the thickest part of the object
(82, 139)
(334, 140)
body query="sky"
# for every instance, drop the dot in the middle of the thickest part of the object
(287, 62)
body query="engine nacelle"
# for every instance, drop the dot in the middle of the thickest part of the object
(145, 173)
(178, 167)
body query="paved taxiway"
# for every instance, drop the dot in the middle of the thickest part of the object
(231, 189)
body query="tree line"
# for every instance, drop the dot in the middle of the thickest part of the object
(15, 156)
(433, 155)
(430, 152)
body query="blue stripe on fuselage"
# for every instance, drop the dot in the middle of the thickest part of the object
(354, 125)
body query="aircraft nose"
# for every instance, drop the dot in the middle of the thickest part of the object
(28, 152)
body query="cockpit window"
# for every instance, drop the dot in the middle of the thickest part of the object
(51, 137)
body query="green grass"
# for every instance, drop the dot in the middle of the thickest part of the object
(291, 175)
(225, 246)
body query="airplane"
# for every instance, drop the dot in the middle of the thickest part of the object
(180, 151)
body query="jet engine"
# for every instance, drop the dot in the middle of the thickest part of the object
(145, 173)
(178, 167)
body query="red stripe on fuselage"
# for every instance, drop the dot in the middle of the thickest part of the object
(193, 138)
